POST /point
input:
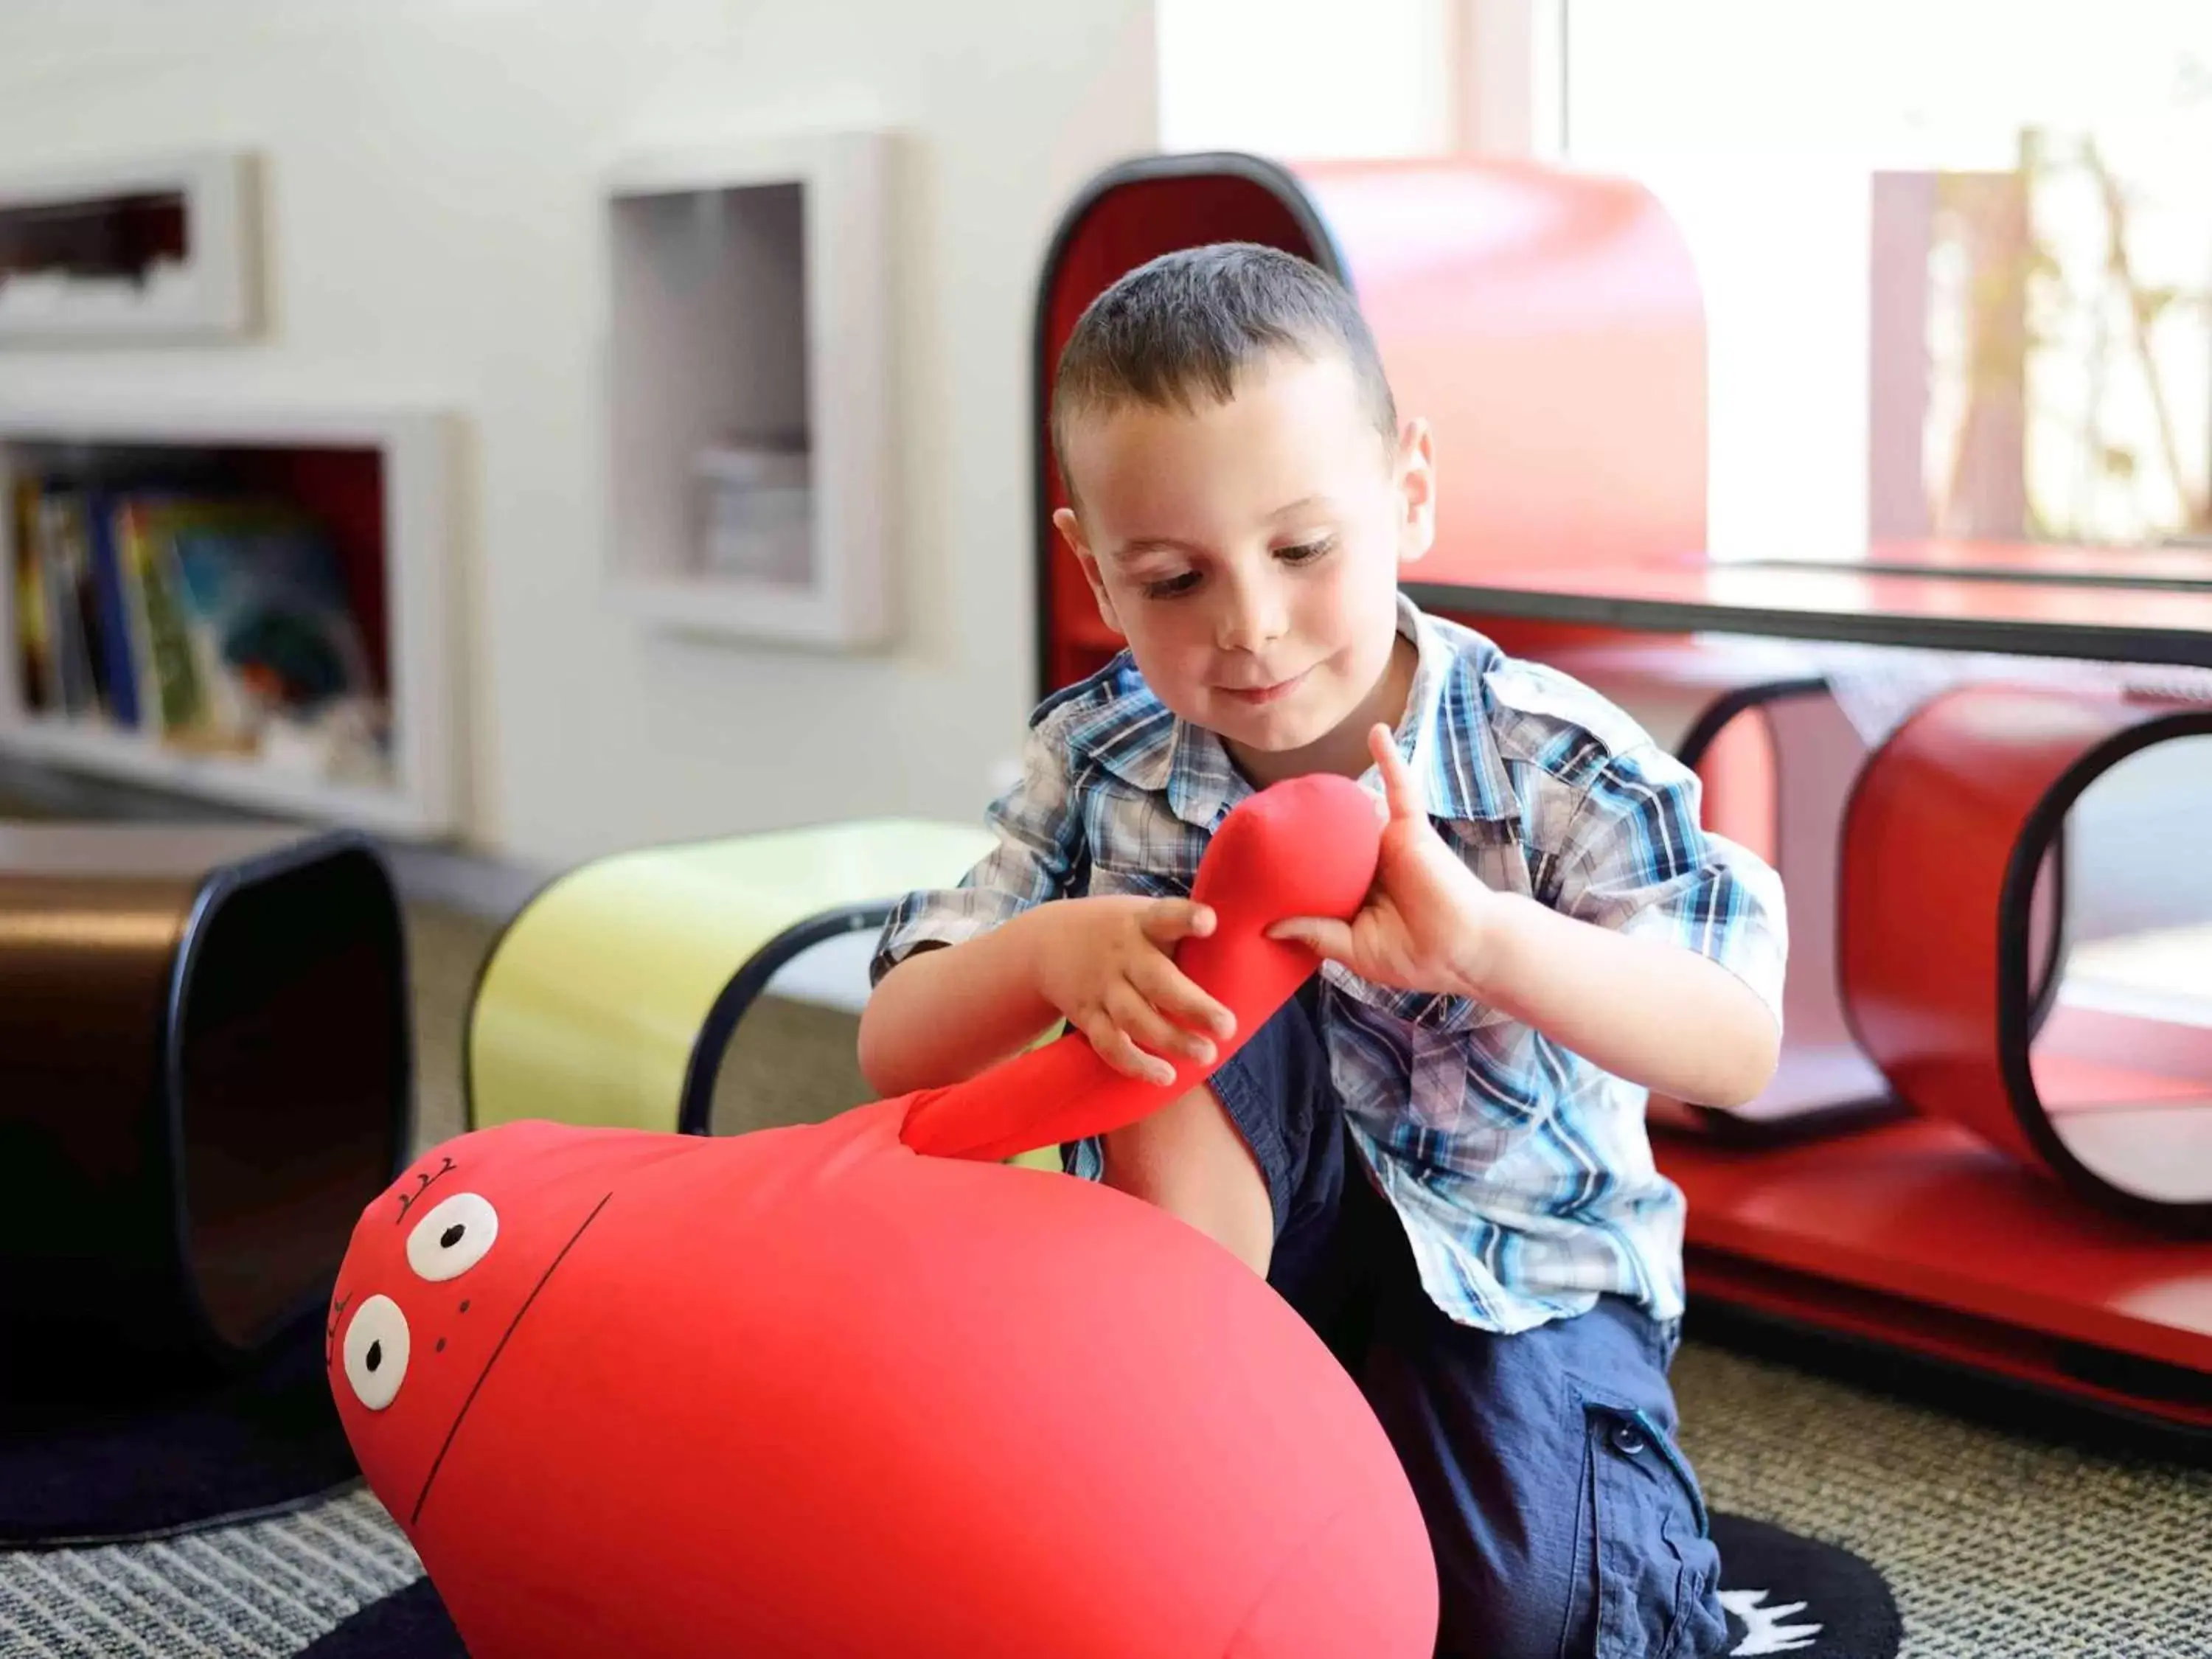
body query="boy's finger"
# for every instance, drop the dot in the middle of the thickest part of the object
(1167, 987)
(1325, 936)
(1399, 786)
(1166, 920)
(1112, 1044)
(1152, 1030)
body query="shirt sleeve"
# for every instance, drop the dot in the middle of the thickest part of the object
(1039, 825)
(1635, 859)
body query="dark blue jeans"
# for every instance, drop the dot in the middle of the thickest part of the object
(1566, 1521)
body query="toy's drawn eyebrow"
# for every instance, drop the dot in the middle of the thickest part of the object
(422, 1185)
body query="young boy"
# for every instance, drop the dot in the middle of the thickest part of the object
(1437, 1154)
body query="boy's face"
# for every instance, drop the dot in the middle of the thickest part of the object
(1248, 552)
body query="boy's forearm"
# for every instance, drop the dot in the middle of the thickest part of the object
(945, 1014)
(1652, 1012)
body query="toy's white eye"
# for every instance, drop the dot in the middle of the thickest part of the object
(453, 1237)
(376, 1352)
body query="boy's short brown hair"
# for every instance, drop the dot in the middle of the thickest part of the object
(1184, 326)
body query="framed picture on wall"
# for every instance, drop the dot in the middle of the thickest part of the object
(159, 248)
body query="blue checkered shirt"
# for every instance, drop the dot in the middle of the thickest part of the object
(1523, 1173)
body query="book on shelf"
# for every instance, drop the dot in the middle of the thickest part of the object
(201, 622)
(32, 644)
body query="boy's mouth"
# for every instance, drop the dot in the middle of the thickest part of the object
(1264, 694)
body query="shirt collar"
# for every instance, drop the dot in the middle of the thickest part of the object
(1443, 734)
(1149, 749)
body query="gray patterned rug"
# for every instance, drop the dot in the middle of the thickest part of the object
(1994, 1545)
(270, 1587)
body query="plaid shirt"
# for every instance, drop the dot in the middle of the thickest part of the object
(1521, 1172)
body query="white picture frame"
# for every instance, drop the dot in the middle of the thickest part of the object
(213, 291)
(770, 311)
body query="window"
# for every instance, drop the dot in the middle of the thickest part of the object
(1957, 254)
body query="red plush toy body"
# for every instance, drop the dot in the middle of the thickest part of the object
(815, 1392)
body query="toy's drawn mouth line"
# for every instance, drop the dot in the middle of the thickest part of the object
(417, 1514)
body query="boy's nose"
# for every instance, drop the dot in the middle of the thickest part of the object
(1253, 619)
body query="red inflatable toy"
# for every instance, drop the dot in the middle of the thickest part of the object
(811, 1392)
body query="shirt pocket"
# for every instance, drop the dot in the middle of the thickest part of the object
(1492, 850)
(1432, 1012)
(1494, 853)
(1111, 880)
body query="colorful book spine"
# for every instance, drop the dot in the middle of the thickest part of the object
(120, 657)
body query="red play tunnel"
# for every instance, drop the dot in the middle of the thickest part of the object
(1547, 324)
(1948, 833)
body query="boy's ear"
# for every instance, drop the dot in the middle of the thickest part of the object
(1071, 531)
(1416, 491)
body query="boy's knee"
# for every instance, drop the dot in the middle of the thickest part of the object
(1626, 1609)
(1565, 1519)
(1635, 1576)
(1190, 1160)
(1192, 1137)
(1522, 1616)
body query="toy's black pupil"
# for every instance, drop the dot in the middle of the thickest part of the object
(375, 1355)
(451, 1235)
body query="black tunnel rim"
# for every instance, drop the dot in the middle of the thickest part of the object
(2017, 1018)
(1278, 181)
(215, 890)
(695, 1112)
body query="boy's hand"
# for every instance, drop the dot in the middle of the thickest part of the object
(1103, 963)
(1422, 926)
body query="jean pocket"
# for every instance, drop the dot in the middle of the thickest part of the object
(1657, 1570)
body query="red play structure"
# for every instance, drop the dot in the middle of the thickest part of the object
(1480, 284)
(1956, 1163)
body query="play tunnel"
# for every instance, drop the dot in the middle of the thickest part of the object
(1954, 846)
(204, 1077)
(1547, 324)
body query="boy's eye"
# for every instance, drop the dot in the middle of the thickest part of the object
(1169, 587)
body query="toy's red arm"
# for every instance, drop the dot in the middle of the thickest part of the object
(1307, 847)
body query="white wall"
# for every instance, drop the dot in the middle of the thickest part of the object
(1307, 78)
(435, 232)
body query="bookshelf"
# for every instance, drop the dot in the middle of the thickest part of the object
(749, 346)
(376, 484)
